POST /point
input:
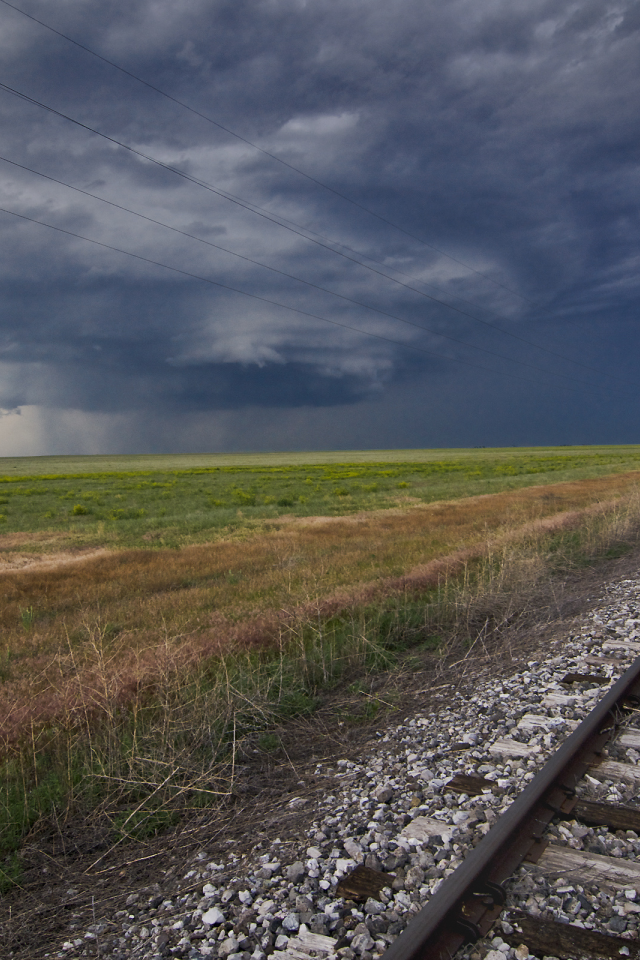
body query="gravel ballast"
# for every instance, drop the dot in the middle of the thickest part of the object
(385, 811)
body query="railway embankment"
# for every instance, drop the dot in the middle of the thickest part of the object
(381, 831)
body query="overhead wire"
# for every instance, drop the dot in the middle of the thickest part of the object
(289, 276)
(299, 171)
(448, 293)
(258, 297)
(367, 256)
(243, 204)
(267, 153)
(255, 296)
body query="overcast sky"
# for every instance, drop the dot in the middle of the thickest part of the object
(490, 151)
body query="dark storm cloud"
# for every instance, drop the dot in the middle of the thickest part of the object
(503, 133)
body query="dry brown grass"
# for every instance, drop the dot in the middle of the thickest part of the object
(99, 628)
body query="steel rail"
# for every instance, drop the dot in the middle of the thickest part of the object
(466, 905)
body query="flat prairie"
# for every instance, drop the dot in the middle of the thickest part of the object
(68, 601)
(156, 502)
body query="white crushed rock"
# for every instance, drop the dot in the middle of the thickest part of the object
(386, 812)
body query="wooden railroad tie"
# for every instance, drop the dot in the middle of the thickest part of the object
(563, 940)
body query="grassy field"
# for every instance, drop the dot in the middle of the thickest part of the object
(118, 463)
(173, 501)
(158, 611)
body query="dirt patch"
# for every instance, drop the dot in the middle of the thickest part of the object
(27, 539)
(47, 549)
(10, 563)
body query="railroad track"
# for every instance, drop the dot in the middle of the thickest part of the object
(485, 887)
(464, 909)
(466, 906)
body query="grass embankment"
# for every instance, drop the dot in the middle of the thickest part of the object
(130, 679)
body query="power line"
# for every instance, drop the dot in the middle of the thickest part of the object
(254, 296)
(427, 283)
(289, 276)
(243, 204)
(302, 173)
(266, 153)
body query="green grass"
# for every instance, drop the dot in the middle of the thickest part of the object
(33, 466)
(192, 725)
(142, 764)
(173, 748)
(168, 501)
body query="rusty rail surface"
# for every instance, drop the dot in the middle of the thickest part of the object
(466, 905)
